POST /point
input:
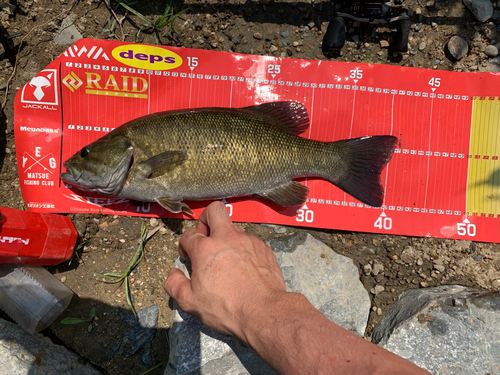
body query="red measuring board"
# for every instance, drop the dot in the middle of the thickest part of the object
(443, 180)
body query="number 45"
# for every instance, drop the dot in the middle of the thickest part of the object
(435, 82)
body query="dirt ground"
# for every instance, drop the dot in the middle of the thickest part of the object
(281, 27)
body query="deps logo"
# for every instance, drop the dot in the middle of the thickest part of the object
(72, 82)
(41, 89)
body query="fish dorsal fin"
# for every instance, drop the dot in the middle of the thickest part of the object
(174, 205)
(289, 117)
(290, 194)
(163, 160)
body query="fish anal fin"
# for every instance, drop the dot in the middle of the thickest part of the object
(289, 117)
(163, 160)
(290, 194)
(174, 205)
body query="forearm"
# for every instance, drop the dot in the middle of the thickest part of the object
(295, 338)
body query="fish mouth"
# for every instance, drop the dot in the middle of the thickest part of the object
(71, 175)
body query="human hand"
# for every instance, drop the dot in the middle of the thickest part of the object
(233, 273)
(237, 288)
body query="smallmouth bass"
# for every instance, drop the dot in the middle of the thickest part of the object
(214, 153)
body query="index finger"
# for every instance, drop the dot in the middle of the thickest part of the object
(215, 220)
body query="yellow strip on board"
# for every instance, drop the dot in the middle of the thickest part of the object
(483, 182)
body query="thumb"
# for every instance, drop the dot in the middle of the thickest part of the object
(178, 286)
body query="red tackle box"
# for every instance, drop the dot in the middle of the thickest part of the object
(35, 238)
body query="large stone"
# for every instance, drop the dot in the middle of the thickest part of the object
(491, 51)
(492, 65)
(68, 34)
(446, 330)
(22, 353)
(482, 9)
(458, 47)
(330, 281)
(141, 334)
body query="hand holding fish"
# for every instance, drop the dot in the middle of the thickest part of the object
(237, 288)
(225, 261)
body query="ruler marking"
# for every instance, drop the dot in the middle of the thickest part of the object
(428, 158)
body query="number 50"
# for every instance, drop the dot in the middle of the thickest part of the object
(466, 228)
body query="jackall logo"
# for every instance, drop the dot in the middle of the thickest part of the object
(94, 52)
(41, 91)
(5, 239)
(96, 201)
(123, 86)
(72, 81)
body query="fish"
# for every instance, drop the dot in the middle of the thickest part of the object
(206, 153)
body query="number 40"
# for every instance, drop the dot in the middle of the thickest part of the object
(383, 222)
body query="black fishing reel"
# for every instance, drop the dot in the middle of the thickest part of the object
(372, 12)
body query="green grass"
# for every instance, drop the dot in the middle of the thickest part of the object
(167, 20)
(78, 320)
(154, 367)
(123, 277)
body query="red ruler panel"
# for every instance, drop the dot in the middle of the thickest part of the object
(443, 180)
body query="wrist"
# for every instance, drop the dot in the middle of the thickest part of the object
(279, 313)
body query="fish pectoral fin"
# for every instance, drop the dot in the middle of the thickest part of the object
(174, 205)
(163, 160)
(288, 195)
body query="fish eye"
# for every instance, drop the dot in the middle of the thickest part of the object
(84, 152)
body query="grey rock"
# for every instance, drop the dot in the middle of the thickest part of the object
(141, 334)
(377, 268)
(482, 9)
(81, 227)
(491, 51)
(285, 33)
(367, 269)
(278, 229)
(448, 329)
(68, 34)
(22, 353)
(496, 15)
(377, 289)
(330, 281)
(458, 47)
(492, 65)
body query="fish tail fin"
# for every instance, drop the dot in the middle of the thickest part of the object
(362, 162)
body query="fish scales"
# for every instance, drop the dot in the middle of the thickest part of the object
(229, 154)
(213, 153)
